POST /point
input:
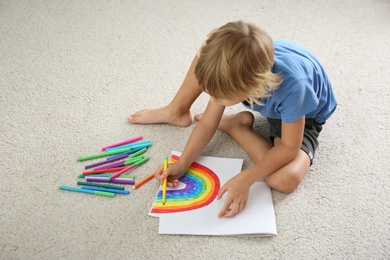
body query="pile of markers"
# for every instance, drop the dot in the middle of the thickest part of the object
(121, 158)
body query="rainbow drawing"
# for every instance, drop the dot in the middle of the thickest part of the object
(201, 188)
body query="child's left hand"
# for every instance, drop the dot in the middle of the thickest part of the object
(238, 190)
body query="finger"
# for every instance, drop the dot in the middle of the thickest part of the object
(225, 208)
(164, 174)
(171, 178)
(173, 183)
(224, 212)
(243, 205)
(158, 174)
(240, 208)
(233, 210)
(221, 192)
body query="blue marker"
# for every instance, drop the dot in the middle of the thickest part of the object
(95, 192)
(90, 188)
(132, 146)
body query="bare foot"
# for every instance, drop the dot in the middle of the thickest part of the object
(161, 115)
(230, 123)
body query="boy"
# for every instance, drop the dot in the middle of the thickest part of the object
(239, 62)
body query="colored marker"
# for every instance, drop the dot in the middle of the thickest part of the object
(99, 155)
(108, 186)
(134, 160)
(106, 190)
(80, 175)
(117, 180)
(95, 192)
(128, 168)
(127, 153)
(111, 165)
(132, 146)
(120, 163)
(138, 153)
(123, 156)
(134, 139)
(143, 181)
(103, 171)
(164, 196)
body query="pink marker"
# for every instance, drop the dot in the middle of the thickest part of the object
(128, 168)
(111, 165)
(123, 143)
(137, 163)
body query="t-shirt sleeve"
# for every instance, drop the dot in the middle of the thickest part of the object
(299, 101)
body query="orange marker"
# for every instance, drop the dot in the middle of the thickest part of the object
(143, 181)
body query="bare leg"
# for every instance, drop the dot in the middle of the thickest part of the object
(287, 178)
(177, 112)
(240, 127)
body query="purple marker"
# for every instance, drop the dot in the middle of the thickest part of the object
(111, 165)
(116, 180)
(128, 153)
(106, 161)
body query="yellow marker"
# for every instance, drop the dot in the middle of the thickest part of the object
(164, 197)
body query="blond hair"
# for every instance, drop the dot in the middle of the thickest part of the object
(236, 60)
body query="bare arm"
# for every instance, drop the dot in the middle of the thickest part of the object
(202, 133)
(281, 154)
(199, 138)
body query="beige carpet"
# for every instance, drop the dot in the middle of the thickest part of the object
(72, 71)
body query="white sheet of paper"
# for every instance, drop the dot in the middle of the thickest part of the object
(258, 218)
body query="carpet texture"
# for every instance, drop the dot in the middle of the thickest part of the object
(71, 72)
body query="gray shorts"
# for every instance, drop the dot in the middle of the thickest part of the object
(310, 135)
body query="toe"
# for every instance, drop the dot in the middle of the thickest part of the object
(198, 116)
(138, 113)
(135, 120)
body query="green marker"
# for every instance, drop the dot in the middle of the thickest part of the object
(138, 153)
(95, 192)
(144, 160)
(133, 160)
(99, 155)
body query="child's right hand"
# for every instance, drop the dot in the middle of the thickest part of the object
(173, 173)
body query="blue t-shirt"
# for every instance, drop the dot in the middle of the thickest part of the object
(305, 90)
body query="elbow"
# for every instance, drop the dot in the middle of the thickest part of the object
(290, 154)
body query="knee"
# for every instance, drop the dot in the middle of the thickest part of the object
(285, 187)
(285, 183)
